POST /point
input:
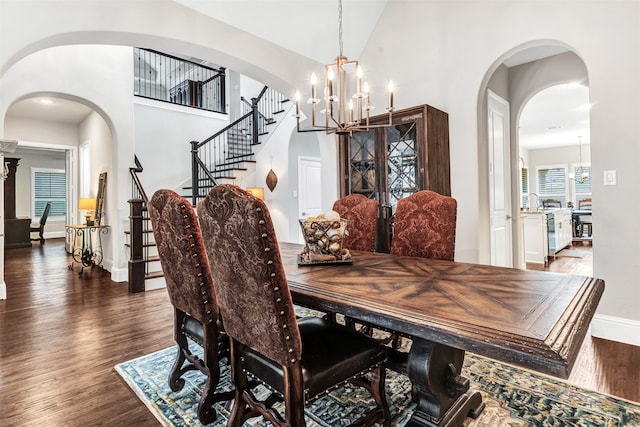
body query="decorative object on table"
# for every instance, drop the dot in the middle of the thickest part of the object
(514, 397)
(344, 96)
(272, 180)
(99, 215)
(323, 236)
(88, 205)
(257, 192)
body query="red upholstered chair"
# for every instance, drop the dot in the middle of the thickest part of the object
(425, 226)
(299, 360)
(190, 286)
(361, 212)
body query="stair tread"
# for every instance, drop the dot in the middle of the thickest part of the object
(154, 275)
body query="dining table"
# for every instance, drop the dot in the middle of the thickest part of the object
(533, 319)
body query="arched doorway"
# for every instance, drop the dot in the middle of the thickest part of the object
(516, 77)
(555, 165)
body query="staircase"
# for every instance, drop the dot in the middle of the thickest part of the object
(217, 159)
(230, 151)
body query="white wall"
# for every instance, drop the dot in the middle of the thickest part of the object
(162, 142)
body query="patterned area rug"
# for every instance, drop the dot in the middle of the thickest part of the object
(513, 397)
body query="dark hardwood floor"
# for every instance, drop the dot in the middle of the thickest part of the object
(61, 334)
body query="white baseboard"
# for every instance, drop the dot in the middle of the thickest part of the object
(616, 329)
(3, 290)
(120, 274)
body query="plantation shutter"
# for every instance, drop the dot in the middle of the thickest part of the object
(524, 185)
(50, 186)
(552, 184)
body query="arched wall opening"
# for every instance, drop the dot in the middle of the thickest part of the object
(548, 63)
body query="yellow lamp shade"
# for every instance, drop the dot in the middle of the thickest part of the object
(86, 204)
(256, 192)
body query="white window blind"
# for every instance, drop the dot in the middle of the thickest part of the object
(552, 184)
(524, 187)
(49, 185)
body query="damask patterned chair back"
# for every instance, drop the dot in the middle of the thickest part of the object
(425, 226)
(190, 286)
(361, 212)
(265, 337)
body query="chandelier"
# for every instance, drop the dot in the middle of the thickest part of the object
(584, 174)
(345, 97)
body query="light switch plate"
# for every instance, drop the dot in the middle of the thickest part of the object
(610, 177)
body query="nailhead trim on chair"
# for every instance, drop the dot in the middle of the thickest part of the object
(271, 276)
(206, 298)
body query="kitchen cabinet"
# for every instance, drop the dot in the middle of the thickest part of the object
(389, 162)
(562, 229)
(535, 236)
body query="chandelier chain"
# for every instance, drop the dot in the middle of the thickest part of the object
(340, 26)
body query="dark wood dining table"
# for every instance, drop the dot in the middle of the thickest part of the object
(532, 319)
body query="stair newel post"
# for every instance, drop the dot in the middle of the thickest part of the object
(136, 260)
(254, 118)
(194, 173)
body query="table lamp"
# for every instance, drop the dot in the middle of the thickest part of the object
(89, 206)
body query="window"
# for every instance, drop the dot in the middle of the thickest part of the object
(524, 187)
(552, 183)
(49, 185)
(582, 189)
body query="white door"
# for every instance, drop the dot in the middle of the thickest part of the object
(309, 189)
(499, 181)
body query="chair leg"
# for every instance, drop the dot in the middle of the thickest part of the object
(376, 386)
(241, 383)
(206, 413)
(175, 382)
(378, 377)
(294, 395)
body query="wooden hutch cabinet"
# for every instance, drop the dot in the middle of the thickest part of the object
(392, 162)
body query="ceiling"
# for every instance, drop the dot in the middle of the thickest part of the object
(554, 117)
(60, 110)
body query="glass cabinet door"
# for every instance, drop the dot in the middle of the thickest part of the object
(362, 164)
(402, 163)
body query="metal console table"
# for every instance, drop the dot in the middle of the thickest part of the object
(86, 250)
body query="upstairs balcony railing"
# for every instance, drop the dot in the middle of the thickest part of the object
(171, 79)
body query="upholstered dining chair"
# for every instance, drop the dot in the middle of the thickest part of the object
(298, 360)
(425, 226)
(190, 286)
(361, 212)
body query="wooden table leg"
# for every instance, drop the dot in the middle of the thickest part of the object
(442, 394)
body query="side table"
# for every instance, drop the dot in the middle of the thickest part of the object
(86, 250)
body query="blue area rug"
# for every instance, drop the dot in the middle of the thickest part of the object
(514, 397)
